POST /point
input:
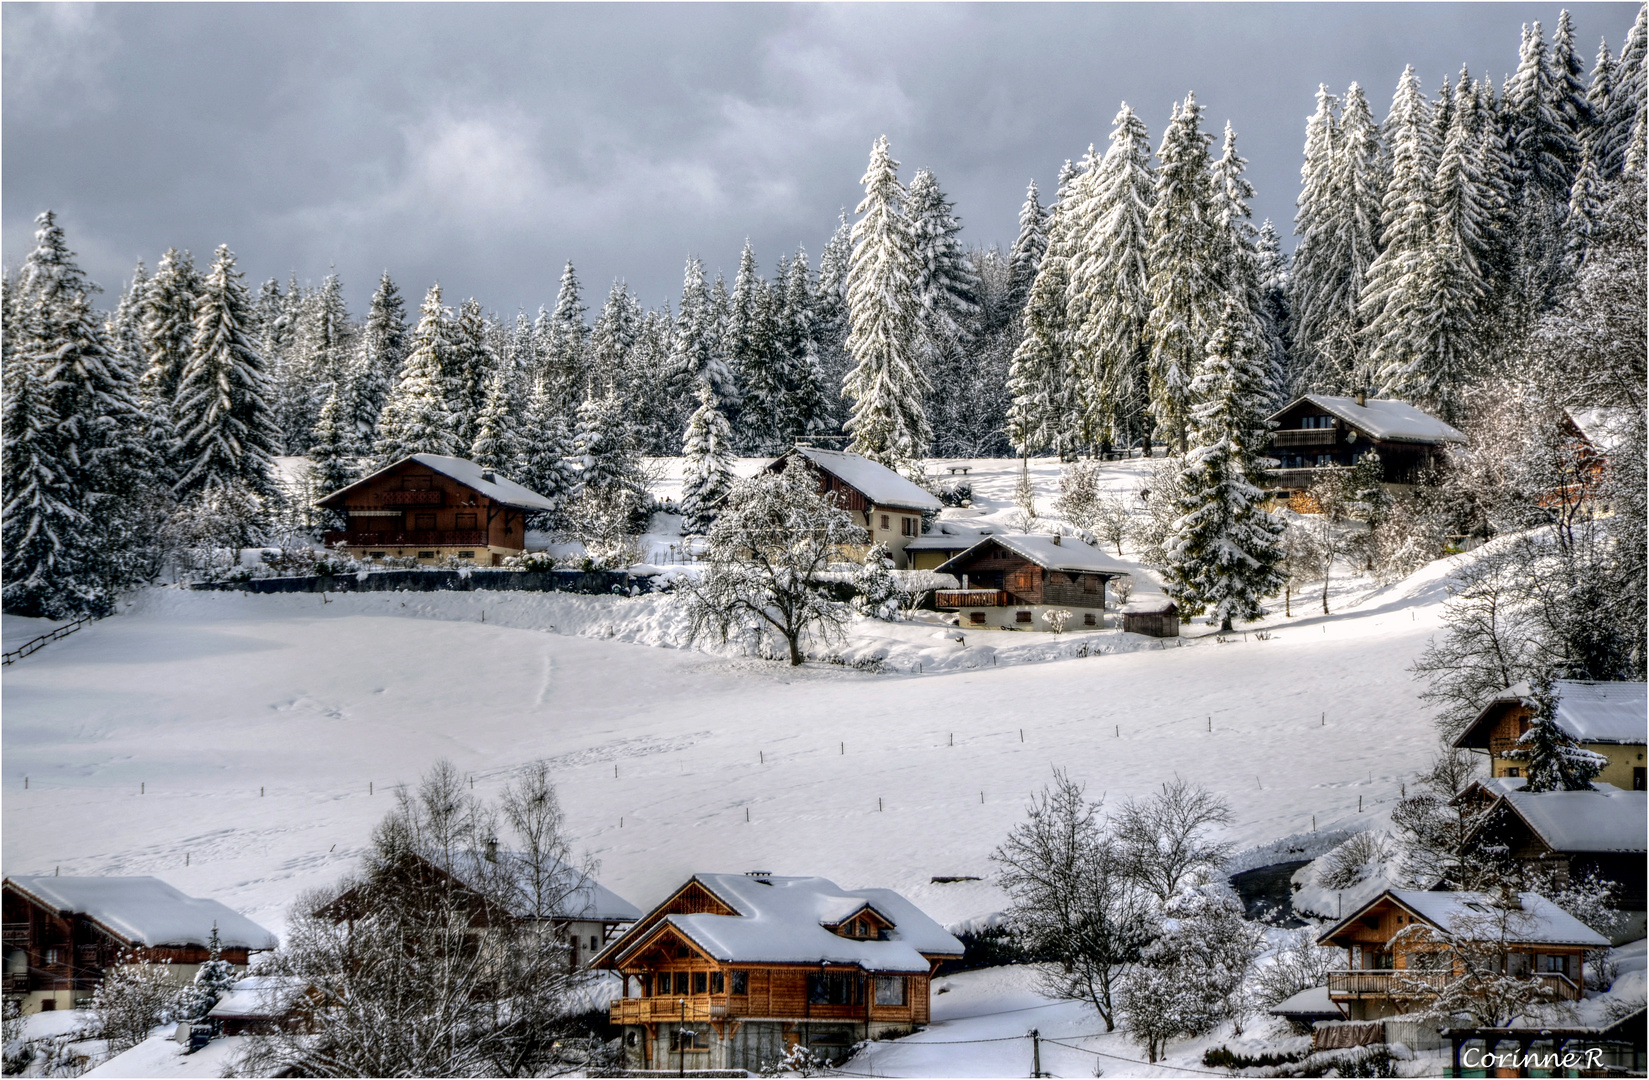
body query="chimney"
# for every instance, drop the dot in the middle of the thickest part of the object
(1362, 397)
(489, 476)
(1056, 539)
(964, 582)
(492, 849)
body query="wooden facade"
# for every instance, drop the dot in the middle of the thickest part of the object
(1317, 433)
(56, 957)
(888, 506)
(685, 1008)
(1504, 720)
(1395, 962)
(416, 509)
(1009, 581)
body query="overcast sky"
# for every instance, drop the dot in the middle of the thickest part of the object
(484, 145)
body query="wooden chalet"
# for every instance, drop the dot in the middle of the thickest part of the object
(1009, 580)
(581, 912)
(889, 506)
(733, 969)
(63, 933)
(429, 507)
(1397, 962)
(1320, 431)
(1573, 835)
(1607, 718)
(264, 1004)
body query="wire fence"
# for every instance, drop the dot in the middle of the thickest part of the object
(36, 644)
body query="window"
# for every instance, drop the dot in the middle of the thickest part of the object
(595, 942)
(423, 522)
(1022, 616)
(890, 989)
(834, 989)
(376, 554)
(52, 957)
(1088, 619)
(909, 526)
(1514, 772)
(741, 982)
(464, 521)
(718, 982)
(426, 554)
(681, 982)
(701, 982)
(885, 525)
(977, 618)
(685, 1039)
(1640, 778)
(466, 554)
(1517, 963)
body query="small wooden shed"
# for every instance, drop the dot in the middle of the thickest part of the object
(1153, 617)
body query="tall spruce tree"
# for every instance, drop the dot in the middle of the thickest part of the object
(1277, 317)
(380, 351)
(497, 442)
(547, 449)
(1185, 284)
(168, 320)
(887, 385)
(225, 429)
(754, 358)
(1039, 373)
(946, 282)
(417, 418)
(564, 361)
(1224, 553)
(1025, 257)
(707, 466)
(1626, 99)
(695, 352)
(473, 362)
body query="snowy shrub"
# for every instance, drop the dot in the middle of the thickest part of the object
(1160, 492)
(531, 560)
(1057, 619)
(876, 591)
(798, 1060)
(956, 493)
(212, 982)
(1122, 587)
(1299, 963)
(1222, 1057)
(131, 1000)
(1354, 861)
(1078, 501)
(1024, 500)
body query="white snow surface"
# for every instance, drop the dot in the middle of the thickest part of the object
(268, 731)
(1397, 421)
(162, 1055)
(878, 483)
(145, 910)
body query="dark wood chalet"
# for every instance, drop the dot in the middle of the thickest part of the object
(1398, 959)
(1571, 835)
(1320, 431)
(889, 506)
(733, 969)
(1009, 580)
(62, 933)
(430, 507)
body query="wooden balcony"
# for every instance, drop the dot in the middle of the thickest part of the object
(1398, 983)
(652, 1010)
(424, 538)
(1305, 437)
(961, 598)
(412, 498)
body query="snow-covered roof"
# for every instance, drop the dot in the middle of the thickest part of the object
(1312, 1001)
(258, 996)
(500, 489)
(1588, 712)
(144, 910)
(1608, 819)
(1540, 923)
(950, 536)
(1066, 554)
(1605, 428)
(784, 920)
(1382, 418)
(878, 483)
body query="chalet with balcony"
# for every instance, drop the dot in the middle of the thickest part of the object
(1319, 432)
(1400, 954)
(886, 504)
(63, 933)
(1008, 581)
(579, 911)
(429, 507)
(1607, 718)
(733, 969)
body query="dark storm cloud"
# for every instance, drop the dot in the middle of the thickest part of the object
(485, 145)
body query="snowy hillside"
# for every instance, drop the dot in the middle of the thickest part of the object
(254, 726)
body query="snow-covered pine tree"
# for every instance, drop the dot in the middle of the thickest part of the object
(1394, 305)
(1025, 258)
(335, 454)
(695, 355)
(646, 382)
(1595, 136)
(564, 360)
(1553, 761)
(614, 335)
(1544, 144)
(1224, 554)
(878, 595)
(225, 429)
(497, 442)
(1276, 317)
(756, 363)
(43, 537)
(1039, 373)
(1570, 88)
(417, 417)
(1626, 98)
(946, 281)
(707, 467)
(603, 449)
(547, 450)
(318, 359)
(125, 336)
(887, 384)
(1113, 277)
(806, 407)
(474, 362)
(1183, 257)
(830, 321)
(380, 352)
(1584, 223)
(168, 319)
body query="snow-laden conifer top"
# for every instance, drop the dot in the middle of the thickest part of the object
(786, 920)
(145, 910)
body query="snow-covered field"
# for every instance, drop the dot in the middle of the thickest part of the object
(242, 746)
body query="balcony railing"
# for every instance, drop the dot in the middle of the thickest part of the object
(1305, 437)
(961, 598)
(412, 498)
(413, 538)
(1399, 983)
(650, 1010)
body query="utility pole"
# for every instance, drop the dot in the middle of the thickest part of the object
(1036, 1053)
